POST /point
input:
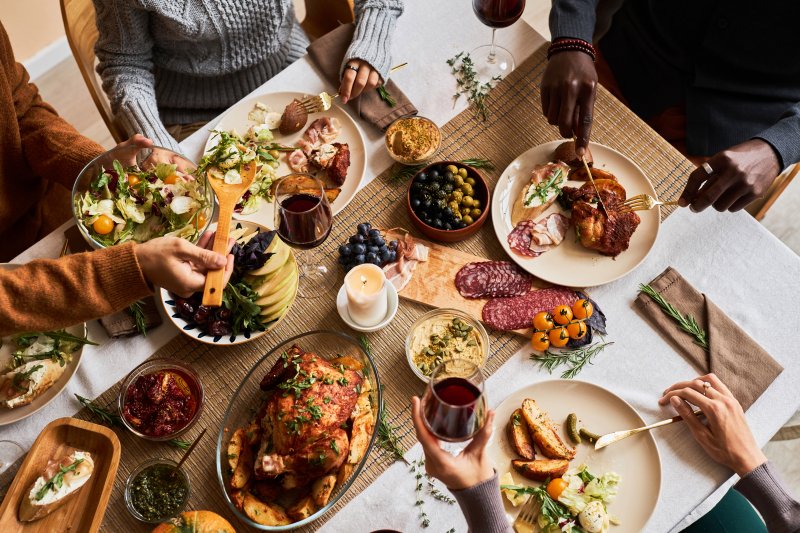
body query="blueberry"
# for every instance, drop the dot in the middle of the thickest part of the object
(359, 249)
(371, 257)
(359, 259)
(373, 249)
(345, 249)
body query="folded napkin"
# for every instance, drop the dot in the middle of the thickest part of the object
(733, 355)
(327, 53)
(121, 323)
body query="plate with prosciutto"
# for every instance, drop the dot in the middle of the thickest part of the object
(547, 216)
(275, 131)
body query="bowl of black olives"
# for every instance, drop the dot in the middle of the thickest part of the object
(448, 201)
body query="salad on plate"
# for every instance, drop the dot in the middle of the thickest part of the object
(130, 204)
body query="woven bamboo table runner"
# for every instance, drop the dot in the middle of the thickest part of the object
(514, 125)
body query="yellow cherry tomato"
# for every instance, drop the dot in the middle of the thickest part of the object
(556, 487)
(200, 220)
(582, 309)
(562, 314)
(103, 225)
(133, 179)
(540, 342)
(558, 337)
(576, 330)
(543, 321)
(172, 179)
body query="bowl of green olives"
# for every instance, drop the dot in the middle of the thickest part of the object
(448, 201)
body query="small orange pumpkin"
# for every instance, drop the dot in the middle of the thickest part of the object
(196, 522)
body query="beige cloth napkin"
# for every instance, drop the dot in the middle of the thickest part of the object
(121, 323)
(740, 362)
(327, 53)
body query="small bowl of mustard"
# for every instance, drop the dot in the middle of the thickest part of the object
(413, 140)
(157, 490)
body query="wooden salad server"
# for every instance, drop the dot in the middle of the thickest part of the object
(227, 196)
(617, 436)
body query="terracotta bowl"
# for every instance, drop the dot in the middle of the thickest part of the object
(481, 193)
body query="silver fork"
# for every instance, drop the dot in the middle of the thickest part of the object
(526, 519)
(643, 202)
(323, 101)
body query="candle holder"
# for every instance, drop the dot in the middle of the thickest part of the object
(392, 302)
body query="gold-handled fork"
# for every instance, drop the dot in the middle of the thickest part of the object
(643, 202)
(617, 436)
(526, 519)
(323, 101)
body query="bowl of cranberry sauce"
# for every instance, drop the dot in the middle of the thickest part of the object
(160, 399)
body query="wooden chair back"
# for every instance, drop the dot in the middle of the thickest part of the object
(80, 26)
(323, 16)
(759, 208)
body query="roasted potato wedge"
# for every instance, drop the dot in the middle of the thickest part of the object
(244, 468)
(520, 436)
(235, 446)
(566, 152)
(541, 469)
(343, 474)
(252, 432)
(267, 490)
(544, 432)
(348, 362)
(304, 508)
(322, 488)
(363, 424)
(237, 497)
(267, 514)
(293, 481)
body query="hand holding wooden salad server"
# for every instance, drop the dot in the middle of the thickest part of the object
(227, 196)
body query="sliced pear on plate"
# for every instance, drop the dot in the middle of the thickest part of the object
(268, 285)
(274, 303)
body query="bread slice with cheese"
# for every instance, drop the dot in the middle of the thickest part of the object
(25, 383)
(544, 432)
(61, 480)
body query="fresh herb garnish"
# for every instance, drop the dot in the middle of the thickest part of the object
(137, 313)
(686, 322)
(57, 480)
(57, 345)
(106, 417)
(468, 84)
(555, 512)
(385, 96)
(417, 469)
(24, 377)
(180, 443)
(576, 359)
(240, 299)
(335, 447)
(542, 189)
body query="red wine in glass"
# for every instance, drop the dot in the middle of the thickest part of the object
(454, 406)
(304, 223)
(498, 13)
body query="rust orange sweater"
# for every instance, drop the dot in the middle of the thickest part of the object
(38, 151)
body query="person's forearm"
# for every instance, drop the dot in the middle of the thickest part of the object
(372, 40)
(482, 506)
(573, 18)
(766, 491)
(49, 294)
(784, 137)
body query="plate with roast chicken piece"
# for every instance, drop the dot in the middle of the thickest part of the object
(549, 219)
(274, 126)
(298, 430)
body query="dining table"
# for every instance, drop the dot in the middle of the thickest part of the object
(748, 273)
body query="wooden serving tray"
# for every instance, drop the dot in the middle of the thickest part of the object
(433, 282)
(83, 513)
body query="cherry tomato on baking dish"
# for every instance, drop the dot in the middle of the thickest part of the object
(103, 225)
(540, 341)
(576, 330)
(558, 337)
(556, 487)
(582, 309)
(543, 321)
(562, 314)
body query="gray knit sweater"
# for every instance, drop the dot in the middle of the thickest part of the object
(182, 61)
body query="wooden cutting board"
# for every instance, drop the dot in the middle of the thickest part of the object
(433, 282)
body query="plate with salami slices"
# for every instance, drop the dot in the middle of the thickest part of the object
(547, 216)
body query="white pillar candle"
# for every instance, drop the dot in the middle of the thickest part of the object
(367, 302)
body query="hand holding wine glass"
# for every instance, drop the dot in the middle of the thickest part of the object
(454, 405)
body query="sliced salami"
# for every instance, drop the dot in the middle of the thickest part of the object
(517, 313)
(520, 239)
(492, 279)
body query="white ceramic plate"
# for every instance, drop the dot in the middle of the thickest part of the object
(635, 459)
(191, 329)
(8, 416)
(569, 263)
(236, 119)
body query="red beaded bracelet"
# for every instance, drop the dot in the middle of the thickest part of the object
(578, 45)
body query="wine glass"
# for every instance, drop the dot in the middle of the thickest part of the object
(10, 451)
(454, 405)
(492, 61)
(303, 219)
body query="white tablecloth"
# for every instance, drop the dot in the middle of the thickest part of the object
(744, 269)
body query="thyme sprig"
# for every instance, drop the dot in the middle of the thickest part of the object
(385, 96)
(404, 172)
(469, 85)
(135, 310)
(685, 321)
(575, 359)
(417, 469)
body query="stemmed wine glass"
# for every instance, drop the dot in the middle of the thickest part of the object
(10, 451)
(303, 219)
(492, 61)
(454, 405)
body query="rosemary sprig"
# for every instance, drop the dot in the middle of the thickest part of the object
(385, 96)
(576, 359)
(180, 443)
(686, 322)
(479, 162)
(404, 172)
(136, 312)
(468, 83)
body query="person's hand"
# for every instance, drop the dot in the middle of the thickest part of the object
(355, 82)
(468, 468)
(739, 175)
(569, 86)
(136, 140)
(179, 266)
(726, 437)
(131, 147)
